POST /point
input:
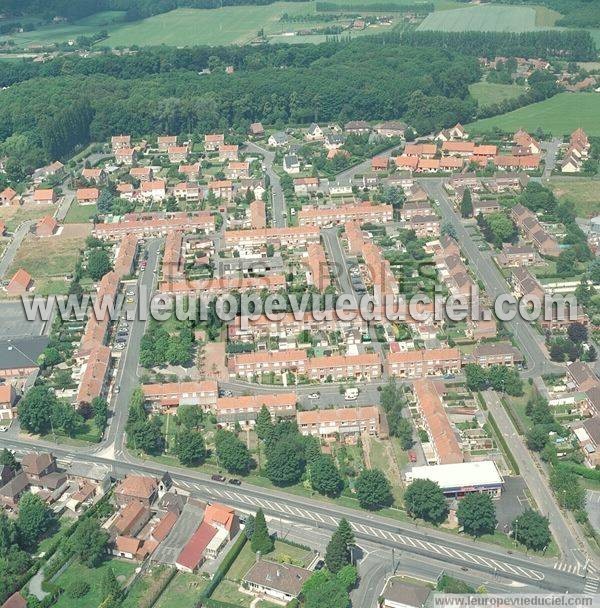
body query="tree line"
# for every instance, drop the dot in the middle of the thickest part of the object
(577, 45)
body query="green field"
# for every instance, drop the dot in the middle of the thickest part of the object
(488, 93)
(559, 115)
(482, 18)
(582, 192)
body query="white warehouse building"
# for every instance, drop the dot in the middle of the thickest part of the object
(456, 480)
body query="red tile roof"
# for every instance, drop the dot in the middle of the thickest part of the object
(192, 554)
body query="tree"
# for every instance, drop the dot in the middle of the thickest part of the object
(109, 586)
(373, 490)
(476, 376)
(7, 459)
(88, 542)
(404, 432)
(105, 201)
(532, 530)
(189, 447)
(348, 576)
(285, 465)
(34, 519)
(261, 539)
(190, 416)
(264, 424)
(565, 485)
(346, 532)
(331, 594)
(566, 262)
(98, 264)
(476, 514)
(337, 554)
(325, 477)
(249, 527)
(100, 411)
(66, 418)
(577, 332)
(232, 454)
(449, 230)
(537, 438)
(424, 499)
(466, 204)
(35, 409)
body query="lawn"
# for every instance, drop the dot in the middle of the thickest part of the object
(559, 115)
(183, 590)
(482, 18)
(76, 572)
(229, 593)
(80, 214)
(283, 553)
(582, 192)
(488, 93)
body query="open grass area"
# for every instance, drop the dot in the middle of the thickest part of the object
(229, 593)
(80, 214)
(482, 18)
(559, 115)
(226, 25)
(49, 260)
(582, 192)
(13, 216)
(183, 590)
(488, 93)
(93, 576)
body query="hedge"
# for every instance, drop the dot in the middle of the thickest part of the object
(223, 569)
(581, 470)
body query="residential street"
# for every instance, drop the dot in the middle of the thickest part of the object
(567, 536)
(528, 339)
(278, 208)
(11, 251)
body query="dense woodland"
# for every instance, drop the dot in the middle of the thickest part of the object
(161, 92)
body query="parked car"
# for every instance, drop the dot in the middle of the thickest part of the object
(319, 565)
(217, 477)
(235, 482)
(314, 396)
(412, 456)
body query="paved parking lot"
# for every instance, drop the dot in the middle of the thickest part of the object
(512, 503)
(593, 509)
(14, 324)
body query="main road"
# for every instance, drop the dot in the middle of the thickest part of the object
(530, 342)
(404, 536)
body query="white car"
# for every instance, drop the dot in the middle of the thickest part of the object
(130, 292)
(314, 396)
(3, 429)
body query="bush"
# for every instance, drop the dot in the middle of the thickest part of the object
(78, 589)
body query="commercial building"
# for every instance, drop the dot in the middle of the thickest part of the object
(462, 478)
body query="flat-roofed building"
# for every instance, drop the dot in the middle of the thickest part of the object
(462, 478)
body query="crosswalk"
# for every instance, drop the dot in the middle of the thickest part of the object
(414, 544)
(591, 585)
(568, 567)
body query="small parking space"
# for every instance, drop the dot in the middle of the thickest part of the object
(512, 503)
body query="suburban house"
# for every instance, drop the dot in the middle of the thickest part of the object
(212, 141)
(46, 226)
(8, 400)
(426, 362)
(398, 594)
(136, 489)
(87, 196)
(8, 196)
(281, 582)
(20, 283)
(173, 394)
(44, 196)
(244, 409)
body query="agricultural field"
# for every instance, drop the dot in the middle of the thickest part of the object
(488, 93)
(582, 192)
(482, 18)
(559, 115)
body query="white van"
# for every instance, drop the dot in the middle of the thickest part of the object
(351, 394)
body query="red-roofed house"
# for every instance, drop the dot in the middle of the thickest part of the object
(16, 600)
(44, 196)
(222, 517)
(46, 226)
(9, 197)
(20, 283)
(192, 555)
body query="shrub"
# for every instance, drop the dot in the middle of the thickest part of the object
(78, 589)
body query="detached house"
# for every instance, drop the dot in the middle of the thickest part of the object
(87, 196)
(314, 132)
(213, 141)
(20, 283)
(228, 152)
(9, 197)
(125, 156)
(44, 196)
